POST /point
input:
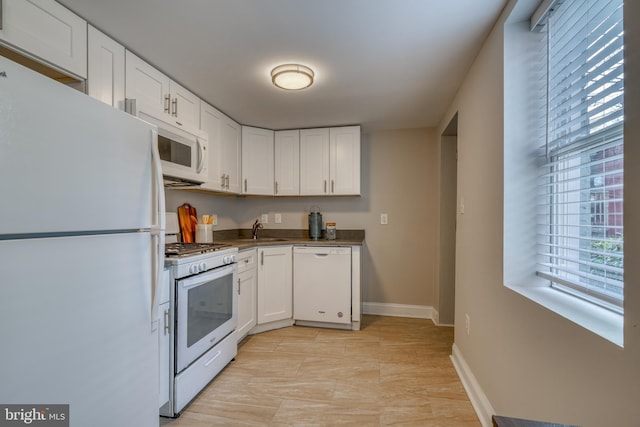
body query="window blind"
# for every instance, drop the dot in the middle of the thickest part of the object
(580, 227)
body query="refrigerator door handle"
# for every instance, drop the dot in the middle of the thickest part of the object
(157, 226)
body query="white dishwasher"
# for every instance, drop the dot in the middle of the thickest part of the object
(322, 284)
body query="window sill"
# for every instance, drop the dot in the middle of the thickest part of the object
(600, 321)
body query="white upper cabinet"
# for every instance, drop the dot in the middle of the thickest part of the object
(224, 150)
(314, 162)
(330, 161)
(156, 94)
(257, 161)
(344, 163)
(230, 154)
(105, 69)
(287, 162)
(46, 30)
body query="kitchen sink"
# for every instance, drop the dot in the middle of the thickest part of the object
(263, 239)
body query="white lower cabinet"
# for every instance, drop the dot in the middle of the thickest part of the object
(247, 288)
(164, 344)
(275, 284)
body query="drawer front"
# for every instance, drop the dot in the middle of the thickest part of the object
(247, 260)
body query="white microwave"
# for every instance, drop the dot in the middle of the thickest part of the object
(183, 152)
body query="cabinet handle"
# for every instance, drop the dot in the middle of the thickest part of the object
(332, 187)
(239, 286)
(0, 15)
(167, 104)
(276, 187)
(174, 104)
(325, 186)
(245, 185)
(262, 258)
(227, 181)
(223, 180)
(166, 322)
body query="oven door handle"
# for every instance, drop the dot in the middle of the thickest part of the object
(205, 277)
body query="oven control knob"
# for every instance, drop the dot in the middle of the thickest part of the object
(202, 266)
(193, 268)
(225, 259)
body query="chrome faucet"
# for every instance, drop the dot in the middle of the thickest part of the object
(256, 228)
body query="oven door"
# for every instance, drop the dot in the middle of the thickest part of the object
(206, 312)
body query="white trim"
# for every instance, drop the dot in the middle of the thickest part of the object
(478, 399)
(398, 310)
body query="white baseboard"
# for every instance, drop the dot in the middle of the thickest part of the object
(398, 310)
(478, 399)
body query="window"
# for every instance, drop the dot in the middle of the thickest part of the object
(580, 241)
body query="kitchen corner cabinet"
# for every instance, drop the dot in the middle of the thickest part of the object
(105, 69)
(224, 150)
(247, 289)
(257, 161)
(159, 96)
(47, 30)
(330, 161)
(287, 162)
(275, 283)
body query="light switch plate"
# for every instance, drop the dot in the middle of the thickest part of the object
(277, 218)
(384, 218)
(264, 218)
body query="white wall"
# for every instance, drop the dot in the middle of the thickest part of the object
(528, 361)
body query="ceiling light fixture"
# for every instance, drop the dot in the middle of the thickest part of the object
(292, 76)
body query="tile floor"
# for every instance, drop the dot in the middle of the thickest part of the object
(394, 372)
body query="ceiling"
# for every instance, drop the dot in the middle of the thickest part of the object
(383, 64)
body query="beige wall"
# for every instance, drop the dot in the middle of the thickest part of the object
(530, 362)
(399, 177)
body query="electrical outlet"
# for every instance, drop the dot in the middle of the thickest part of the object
(467, 324)
(384, 218)
(278, 218)
(264, 218)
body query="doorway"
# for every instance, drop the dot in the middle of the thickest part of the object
(448, 203)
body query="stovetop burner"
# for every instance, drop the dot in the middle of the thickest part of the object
(179, 249)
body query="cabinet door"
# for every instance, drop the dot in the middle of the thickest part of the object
(247, 288)
(105, 69)
(287, 162)
(47, 30)
(230, 155)
(164, 347)
(148, 86)
(257, 161)
(211, 122)
(345, 160)
(275, 284)
(314, 162)
(185, 106)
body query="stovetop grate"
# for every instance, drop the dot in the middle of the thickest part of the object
(179, 249)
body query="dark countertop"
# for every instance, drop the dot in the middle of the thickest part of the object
(270, 237)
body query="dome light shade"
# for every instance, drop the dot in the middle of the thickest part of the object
(292, 76)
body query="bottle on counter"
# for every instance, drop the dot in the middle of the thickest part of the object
(331, 231)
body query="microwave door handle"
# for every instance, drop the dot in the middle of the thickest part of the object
(200, 155)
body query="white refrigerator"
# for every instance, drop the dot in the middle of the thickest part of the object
(81, 251)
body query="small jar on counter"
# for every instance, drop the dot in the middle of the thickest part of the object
(331, 231)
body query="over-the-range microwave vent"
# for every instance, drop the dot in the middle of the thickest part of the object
(173, 182)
